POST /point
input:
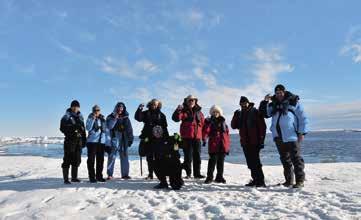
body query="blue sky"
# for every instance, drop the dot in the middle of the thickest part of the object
(101, 52)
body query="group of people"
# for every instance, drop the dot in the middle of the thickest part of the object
(114, 135)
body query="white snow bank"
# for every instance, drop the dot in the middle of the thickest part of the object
(32, 188)
(31, 140)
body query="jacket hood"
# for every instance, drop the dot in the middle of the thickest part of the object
(125, 113)
(289, 97)
(217, 109)
(152, 101)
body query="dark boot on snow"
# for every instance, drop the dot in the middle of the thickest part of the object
(298, 185)
(251, 183)
(74, 174)
(66, 175)
(208, 180)
(199, 176)
(161, 186)
(220, 179)
(260, 184)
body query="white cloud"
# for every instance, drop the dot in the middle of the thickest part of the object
(141, 69)
(352, 45)
(354, 50)
(210, 89)
(67, 49)
(199, 19)
(146, 66)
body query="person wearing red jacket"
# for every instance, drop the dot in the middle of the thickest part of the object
(192, 121)
(252, 130)
(217, 131)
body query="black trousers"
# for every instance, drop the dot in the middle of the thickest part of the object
(216, 159)
(150, 162)
(254, 162)
(95, 152)
(192, 153)
(168, 166)
(291, 159)
(72, 153)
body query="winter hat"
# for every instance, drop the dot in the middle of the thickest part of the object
(75, 103)
(243, 100)
(216, 108)
(280, 87)
(191, 97)
(95, 108)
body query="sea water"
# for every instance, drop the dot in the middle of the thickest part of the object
(318, 147)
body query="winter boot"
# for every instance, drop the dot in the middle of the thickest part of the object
(298, 185)
(66, 175)
(162, 185)
(220, 179)
(208, 180)
(74, 174)
(251, 183)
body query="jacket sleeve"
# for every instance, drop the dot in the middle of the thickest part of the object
(89, 123)
(302, 119)
(139, 115)
(130, 131)
(235, 120)
(206, 129)
(261, 126)
(83, 135)
(111, 122)
(65, 127)
(176, 115)
(266, 109)
(165, 124)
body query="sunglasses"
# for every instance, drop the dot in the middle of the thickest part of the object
(191, 100)
(97, 110)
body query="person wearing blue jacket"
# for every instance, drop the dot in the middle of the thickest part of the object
(121, 137)
(96, 127)
(289, 127)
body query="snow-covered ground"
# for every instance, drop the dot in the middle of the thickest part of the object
(30, 140)
(32, 188)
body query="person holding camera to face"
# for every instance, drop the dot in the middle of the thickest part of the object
(121, 138)
(151, 118)
(95, 125)
(192, 122)
(289, 127)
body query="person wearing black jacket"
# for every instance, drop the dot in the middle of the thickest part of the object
(151, 118)
(252, 131)
(72, 126)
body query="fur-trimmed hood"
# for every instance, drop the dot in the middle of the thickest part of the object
(125, 113)
(216, 108)
(154, 100)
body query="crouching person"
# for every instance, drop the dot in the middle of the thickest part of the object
(252, 131)
(72, 126)
(167, 159)
(95, 125)
(121, 138)
(217, 131)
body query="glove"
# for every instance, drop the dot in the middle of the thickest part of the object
(261, 146)
(130, 143)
